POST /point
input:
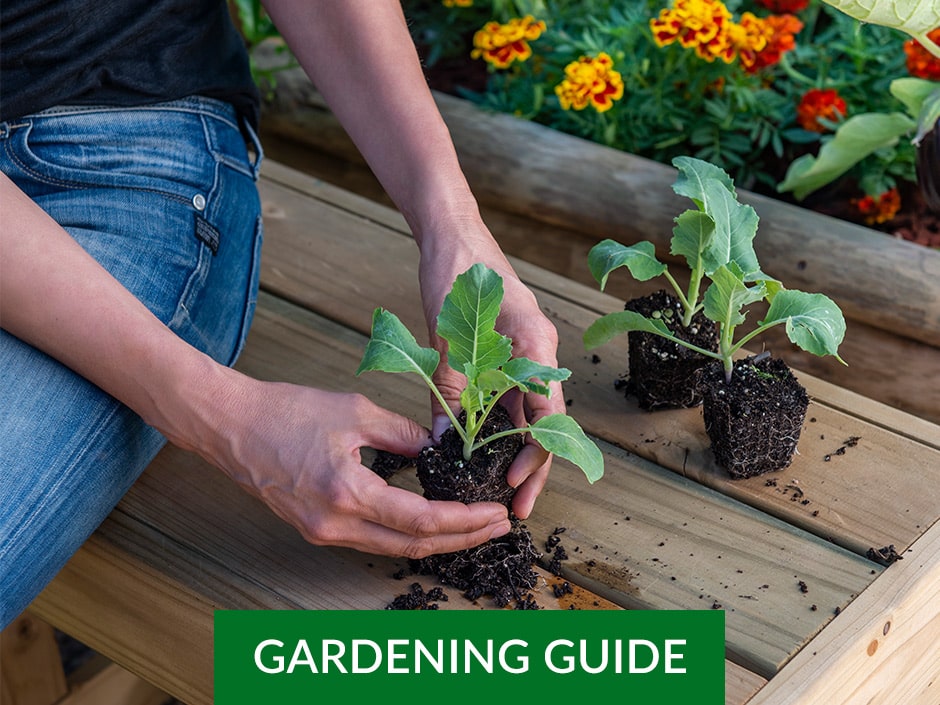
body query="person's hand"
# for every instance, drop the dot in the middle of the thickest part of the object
(298, 449)
(533, 335)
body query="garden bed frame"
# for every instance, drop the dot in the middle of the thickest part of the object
(664, 529)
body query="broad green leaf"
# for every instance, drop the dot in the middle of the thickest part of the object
(735, 228)
(468, 318)
(727, 295)
(855, 139)
(690, 237)
(392, 348)
(561, 435)
(694, 174)
(814, 321)
(522, 371)
(913, 92)
(928, 116)
(916, 17)
(613, 324)
(640, 259)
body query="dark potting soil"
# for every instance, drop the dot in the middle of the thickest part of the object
(500, 568)
(753, 421)
(664, 374)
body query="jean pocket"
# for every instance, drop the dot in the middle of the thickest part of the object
(80, 152)
(251, 294)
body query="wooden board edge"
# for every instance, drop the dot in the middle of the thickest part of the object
(883, 648)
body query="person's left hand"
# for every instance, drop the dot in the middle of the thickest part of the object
(468, 242)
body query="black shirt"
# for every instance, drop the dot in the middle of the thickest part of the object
(120, 52)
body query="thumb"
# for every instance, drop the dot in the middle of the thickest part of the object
(386, 430)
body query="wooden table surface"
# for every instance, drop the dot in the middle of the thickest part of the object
(664, 529)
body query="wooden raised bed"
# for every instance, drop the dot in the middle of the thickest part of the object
(548, 197)
(664, 529)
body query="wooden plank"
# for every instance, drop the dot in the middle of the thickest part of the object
(30, 666)
(564, 180)
(658, 502)
(871, 352)
(112, 685)
(883, 649)
(348, 254)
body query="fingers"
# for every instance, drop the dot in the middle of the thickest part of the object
(528, 474)
(385, 430)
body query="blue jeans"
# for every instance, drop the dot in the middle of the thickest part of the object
(163, 196)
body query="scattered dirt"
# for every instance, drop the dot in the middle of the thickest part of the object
(885, 555)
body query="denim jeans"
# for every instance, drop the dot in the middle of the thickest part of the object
(164, 197)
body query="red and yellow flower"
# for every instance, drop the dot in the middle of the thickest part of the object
(920, 62)
(695, 24)
(501, 44)
(458, 3)
(816, 103)
(590, 81)
(880, 209)
(781, 31)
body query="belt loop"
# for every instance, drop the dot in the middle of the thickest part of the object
(256, 146)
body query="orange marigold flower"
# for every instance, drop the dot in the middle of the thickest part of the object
(819, 103)
(749, 38)
(695, 24)
(458, 3)
(780, 31)
(501, 44)
(590, 81)
(920, 62)
(881, 209)
(780, 6)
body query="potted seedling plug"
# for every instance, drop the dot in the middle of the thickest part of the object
(719, 230)
(470, 461)
(754, 407)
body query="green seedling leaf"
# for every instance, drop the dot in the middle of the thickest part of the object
(392, 348)
(691, 236)
(814, 322)
(735, 228)
(854, 140)
(560, 434)
(640, 259)
(531, 376)
(695, 175)
(613, 324)
(468, 319)
(728, 295)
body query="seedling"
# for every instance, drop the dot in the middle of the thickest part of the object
(720, 230)
(475, 349)
(813, 321)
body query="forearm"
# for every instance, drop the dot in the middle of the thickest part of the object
(56, 297)
(361, 57)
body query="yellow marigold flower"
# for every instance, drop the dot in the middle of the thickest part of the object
(590, 81)
(501, 44)
(458, 3)
(695, 24)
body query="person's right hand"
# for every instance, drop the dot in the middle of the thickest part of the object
(298, 449)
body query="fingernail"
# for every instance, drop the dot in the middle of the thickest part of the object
(500, 529)
(439, 424)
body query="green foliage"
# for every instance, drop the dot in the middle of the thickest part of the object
(676, 103)
(813, 321)
(719, 231)
(475, 349)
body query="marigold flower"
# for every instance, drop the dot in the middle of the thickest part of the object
(780, 31)
(590, 81)
(501, 44)
(458, 3)
(881, 209)
(748, 38)
(784, 6)
(695, 24)
(920, 62)
(819, 103)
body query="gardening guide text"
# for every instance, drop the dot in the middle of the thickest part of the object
(287, 656)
